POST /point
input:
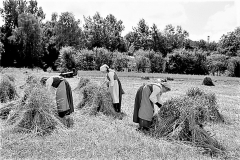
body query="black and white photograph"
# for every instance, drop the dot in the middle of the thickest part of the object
(120, 79)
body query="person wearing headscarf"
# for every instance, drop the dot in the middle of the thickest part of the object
(115, 87)
(60, 87)
(147, 96)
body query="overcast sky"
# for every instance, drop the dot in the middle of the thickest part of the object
(201, 18)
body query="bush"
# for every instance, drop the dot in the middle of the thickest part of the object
(217, 63)
(120, 61)
(66, 59)
(233, 67)
(187, 62)
(85, 60)
(102, 56)
(157, 62)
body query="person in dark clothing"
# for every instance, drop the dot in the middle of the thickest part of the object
(63, 94)
(148, 95)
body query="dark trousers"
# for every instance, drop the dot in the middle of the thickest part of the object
(117, 107)
(64, 113)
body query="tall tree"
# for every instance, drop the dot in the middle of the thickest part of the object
(10, 12)
(28, 36)
(175, 37)
(68, 31)
(50, 50)
(143, 39)
(229, 44)
(104, 32)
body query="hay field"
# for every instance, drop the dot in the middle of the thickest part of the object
(102, 137)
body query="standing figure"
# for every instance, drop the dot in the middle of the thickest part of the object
(148, 95)
(115, 87)
(61, 88)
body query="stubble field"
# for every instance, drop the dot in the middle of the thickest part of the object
(102, 137)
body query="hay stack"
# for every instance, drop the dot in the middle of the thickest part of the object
(36, 114)
(82, 82)
(209, 104)
(7, 90)
(10, 77)
(6, 109)
(96, 98)
(208, 81)
(183, 119)
(30, 80)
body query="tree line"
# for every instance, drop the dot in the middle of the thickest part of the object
(29, 41)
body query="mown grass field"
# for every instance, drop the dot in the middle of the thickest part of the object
(102, 137)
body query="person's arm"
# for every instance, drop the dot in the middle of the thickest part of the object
(111, 83)
(159, 95)
(155, 96)
(49, 85)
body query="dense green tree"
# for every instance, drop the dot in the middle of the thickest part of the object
(50, 50)
(28, 36)
(158, 41)
(10, 13)
(104, 32)
(68, 32)
(229, 43)
(217, 63)
(175, 37)
(143, 38)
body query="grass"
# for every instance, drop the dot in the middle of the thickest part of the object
(103, 137)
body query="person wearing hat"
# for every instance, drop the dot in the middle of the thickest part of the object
(63, 94)
(115, 87)
(146, 96)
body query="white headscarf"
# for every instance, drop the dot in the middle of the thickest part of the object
(104, 68)
(164, 84)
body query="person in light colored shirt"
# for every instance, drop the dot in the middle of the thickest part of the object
(148, 95)
(115, 87)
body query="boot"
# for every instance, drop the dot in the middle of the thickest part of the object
(115, 106)
(118, 108)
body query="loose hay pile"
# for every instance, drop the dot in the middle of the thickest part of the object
(36, 114)
(184, 118)
(7, 90)
(96, 98)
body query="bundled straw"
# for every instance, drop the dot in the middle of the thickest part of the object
(36, 114)
(7, 108)
(30, 80)
(209, 104)
(7, 90)
(10, 77)
(184, 118)
(96, 98)
(207, 81)
(82, 83)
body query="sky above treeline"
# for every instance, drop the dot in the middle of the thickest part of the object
(201, 18)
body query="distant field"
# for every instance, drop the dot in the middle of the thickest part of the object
(102, 137)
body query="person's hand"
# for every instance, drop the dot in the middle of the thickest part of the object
(158, 104)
